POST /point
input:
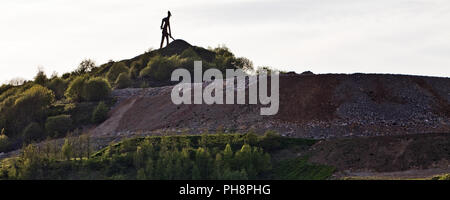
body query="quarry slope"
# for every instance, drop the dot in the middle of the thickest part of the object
(311, 106)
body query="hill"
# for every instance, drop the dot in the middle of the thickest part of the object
(361, 125)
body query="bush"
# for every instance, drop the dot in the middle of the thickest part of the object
(135, 68)
(4, 142)
(100, 113)
(37, 97)
(96, 89)
(190, 53)
(57, 126)
(75, 90)
(123, 81)
(30, 106)
(58, 86)
(32, 132)
(160, 68)
(115, 70)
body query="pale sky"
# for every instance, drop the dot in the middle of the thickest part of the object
(323, 36)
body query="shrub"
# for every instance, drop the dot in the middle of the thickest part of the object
(4, 142)
(135, 68)
(271, 141)
(96, 89)
(58, 86)
(31, 106)
(190, 53)
(32, 132)
(35, 97)
(115, 70)
(123, 81)
(75, 90)
(100, 113)
(57, 126)
(160, 68)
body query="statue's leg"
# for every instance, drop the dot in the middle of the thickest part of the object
(162, 41)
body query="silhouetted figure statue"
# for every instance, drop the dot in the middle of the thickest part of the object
(165, 24)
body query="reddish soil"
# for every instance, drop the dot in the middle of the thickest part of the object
(308, 97)
(317, 106)
(385, 153)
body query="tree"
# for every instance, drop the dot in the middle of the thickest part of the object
(58, 86)
(4, 142)
(123, 81)
(227, 156)
(204, 162)
(115, 70)
(75, 90)
(100, 113)
(138, 158)
(32, 132)
(67, 149)
(196, 173)
(57, 126)
(244, 64)
(135, 68)
(149, 169)
(30, 106)
(96, 89)
(86, 65)
(40, 77)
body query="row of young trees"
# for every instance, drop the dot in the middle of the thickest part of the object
(168, 157)
(200, 163)
(37, 161)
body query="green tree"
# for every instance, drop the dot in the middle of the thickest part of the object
(96, 89)
(227, 156)
(41, 78)
(196, 173)
(135, 68)
(149, 169)
(58, 86)
(57, 126)
(67, 149)
(100, 113)
(4, 141)
(75, 90)
(30, 106)
(32, 132)
(123, 80)
(116, 69)
(85, 66)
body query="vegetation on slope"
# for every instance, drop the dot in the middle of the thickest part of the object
(206, 156)
(51, 107)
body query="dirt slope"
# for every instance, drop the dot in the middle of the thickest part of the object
(315, 106)
(385, 153)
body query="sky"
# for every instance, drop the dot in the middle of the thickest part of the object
(322, 36)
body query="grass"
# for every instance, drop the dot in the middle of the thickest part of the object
(300, 169)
